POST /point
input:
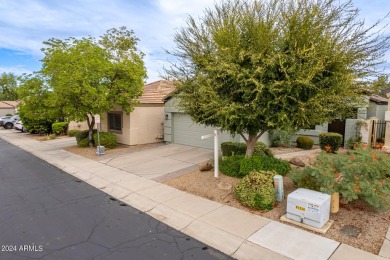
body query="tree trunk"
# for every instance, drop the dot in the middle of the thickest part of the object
(91, 124)
(250, 145)
(251, 142)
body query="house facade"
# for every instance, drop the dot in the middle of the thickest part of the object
(145, 124)
(9, 107)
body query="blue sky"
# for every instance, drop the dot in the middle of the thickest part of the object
(25, 24)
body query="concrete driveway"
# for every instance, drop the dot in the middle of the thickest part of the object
(163, 162)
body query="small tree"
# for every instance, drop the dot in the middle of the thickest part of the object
(90, 76)
(253, 66)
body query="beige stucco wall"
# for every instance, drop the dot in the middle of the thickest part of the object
(5, 111)
(142, 126)
(73, 125)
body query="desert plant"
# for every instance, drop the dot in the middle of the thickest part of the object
(282, 137)
(73, 133)
(59, 128)
(330, 142)
(107, 139)
(256, 190)
(305, 142)
(360, 174)
(354, 142)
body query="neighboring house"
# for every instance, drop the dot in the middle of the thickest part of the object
(375, 107)
(180, 129)
(9, 107)
(145, 124)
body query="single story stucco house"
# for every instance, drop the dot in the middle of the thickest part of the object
(145, 124)
(9, 107)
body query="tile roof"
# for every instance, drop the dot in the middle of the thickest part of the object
(155, 92)
(9, 104)
(378, 99)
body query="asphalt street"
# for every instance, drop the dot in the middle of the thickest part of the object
(46, 213)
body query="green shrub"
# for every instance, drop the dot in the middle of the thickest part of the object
(360, 174)
(330, 142)
(303, 179)
(83, 142)
(233, 148)
(256, 190)
(240, 166)
(107, 139)
(230, 165)
(37, 126)
(250, 164)
(8, 114)
(73, 133)
(59, 128)
(263, 163)
(282, 137)
(80, 136)
(262, 149)
(305, 142)
(281, 167)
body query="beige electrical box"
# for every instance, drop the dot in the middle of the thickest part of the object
(308, 207)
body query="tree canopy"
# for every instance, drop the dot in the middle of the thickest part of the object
(253, 66)
(89, 76)
(8, 86)
(37, 111)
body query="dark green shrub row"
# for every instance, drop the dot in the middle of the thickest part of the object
(256, 190)
(234, 148)
(107, 139)
(305, 142)
(59, 128)
(80, 136)
(239, 166)
(37, 126)
(330, 142)
(73, 133)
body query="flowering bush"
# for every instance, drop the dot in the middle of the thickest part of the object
(362, 173)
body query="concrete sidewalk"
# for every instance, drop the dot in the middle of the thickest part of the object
(235, 232)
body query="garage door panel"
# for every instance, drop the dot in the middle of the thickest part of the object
(186, 132)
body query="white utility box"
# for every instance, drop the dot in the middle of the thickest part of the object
(308, 207)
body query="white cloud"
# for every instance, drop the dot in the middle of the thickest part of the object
(18, 70)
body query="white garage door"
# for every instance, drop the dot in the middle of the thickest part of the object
(185, 131)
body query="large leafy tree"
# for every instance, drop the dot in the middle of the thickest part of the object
(8, 86)
(253, 66)
(89, 76)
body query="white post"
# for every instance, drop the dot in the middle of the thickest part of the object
(216, 153)
(216, 150)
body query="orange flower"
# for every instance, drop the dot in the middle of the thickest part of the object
(374, 156)
(328, 149)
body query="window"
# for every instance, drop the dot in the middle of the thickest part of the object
(115, 122)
